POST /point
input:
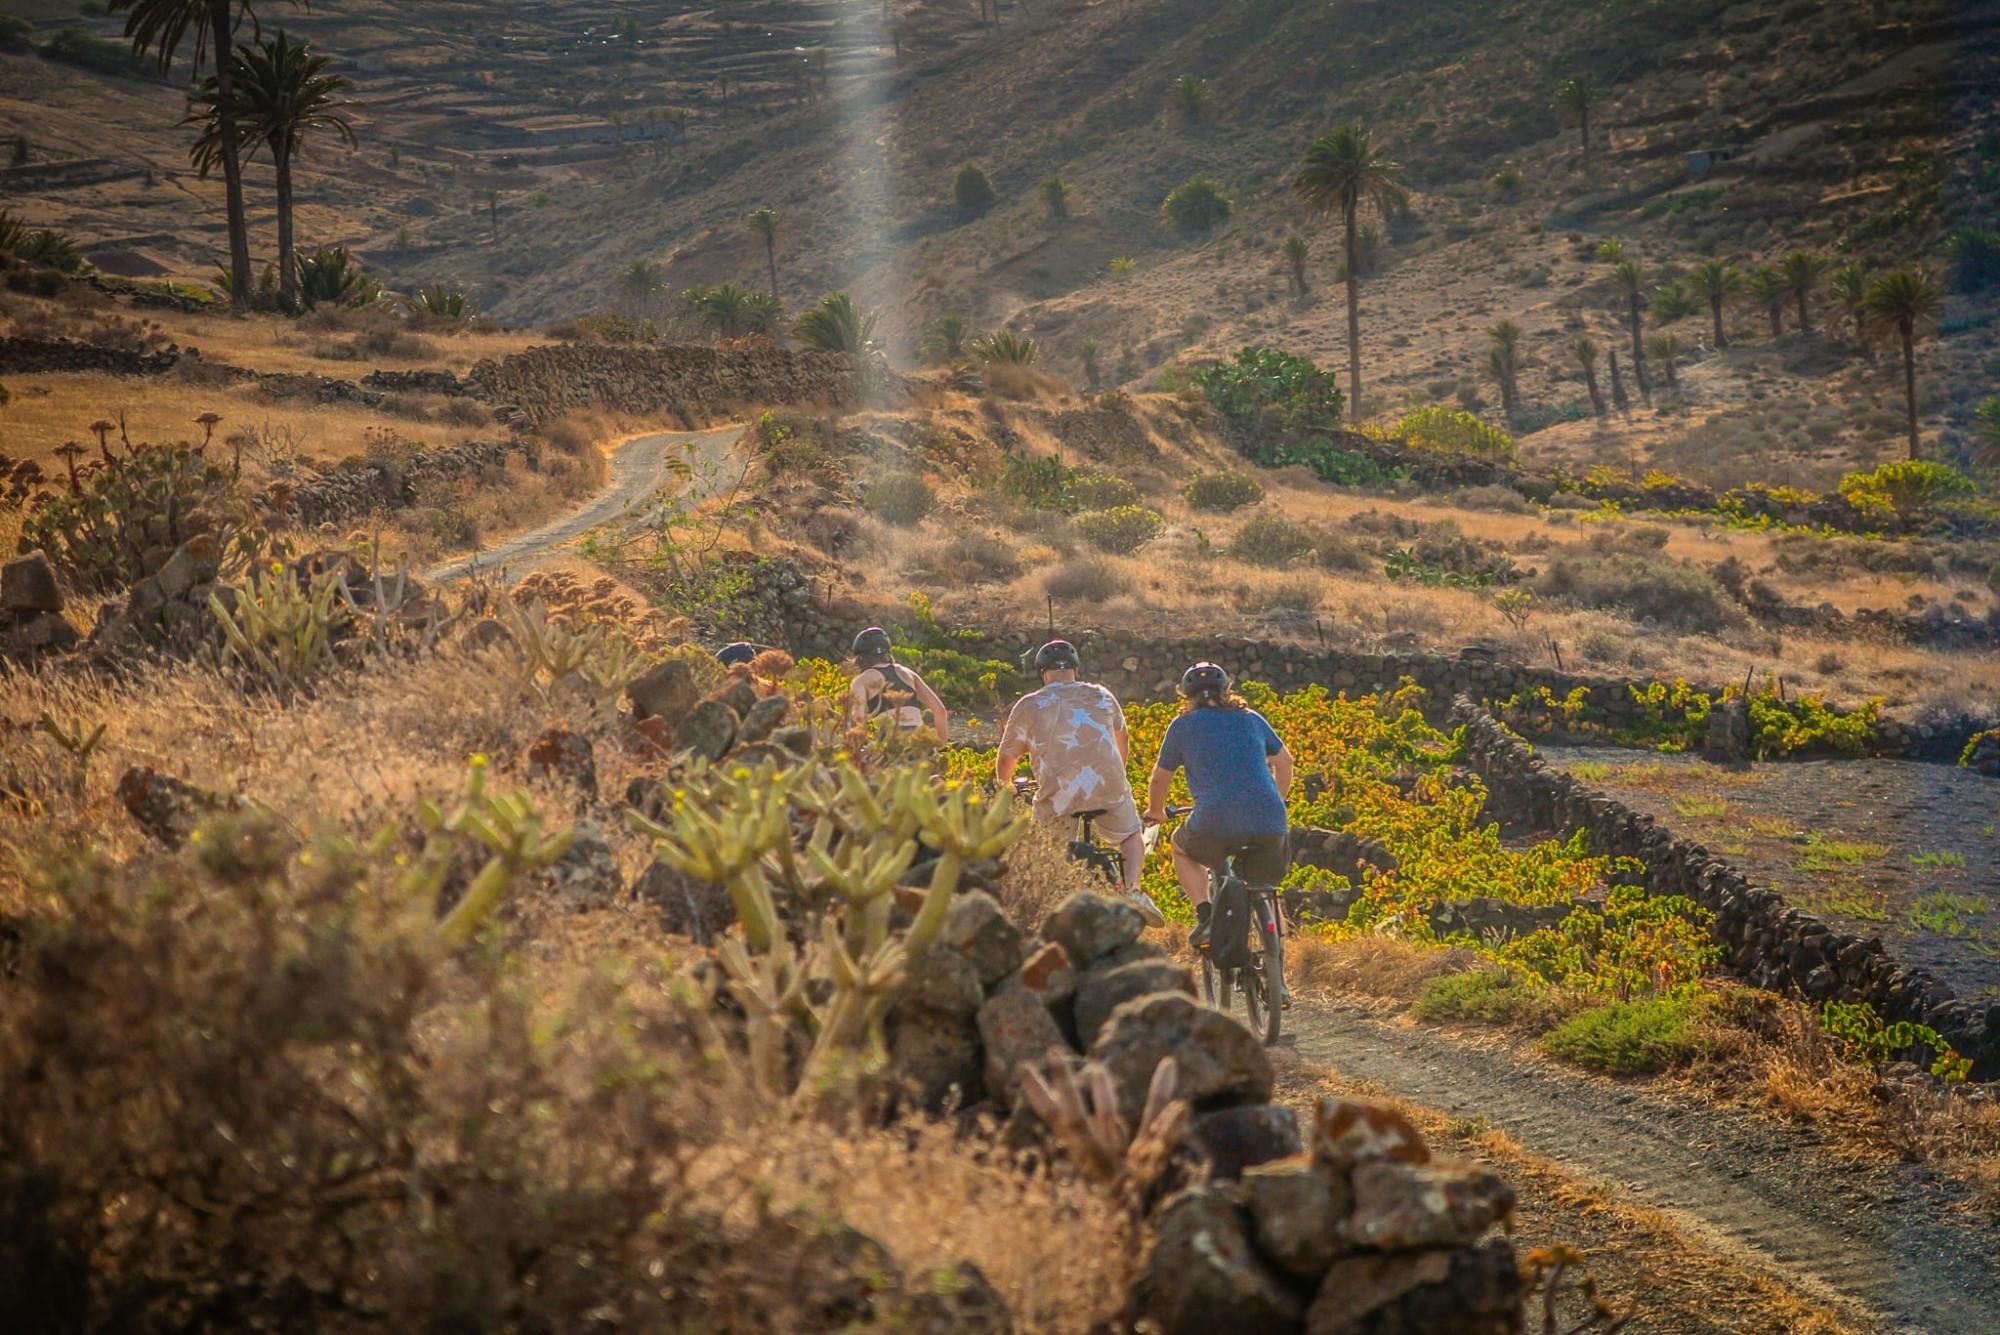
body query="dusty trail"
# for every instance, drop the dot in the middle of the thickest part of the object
(1879, 1240)
(640, 468)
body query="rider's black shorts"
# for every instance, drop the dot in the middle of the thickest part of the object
(1263, 861)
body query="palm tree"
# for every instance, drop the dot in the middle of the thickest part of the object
(1849, 286)
(1803, 271)
(160, 26)
(1715, 281)
(1631, 277)
(639, 282)
(723, 308)
(332, 277)
(1610, 250)
(971, 191)
(1503, 363)
(1619, 400)
(1188, 98)
(1055, 194)
(280, 91)
(1769, 288)
(945, 340)
(1573, 99)
(1666, 350)
(1586, 357)
(764, 222)
(1003, 345)
(1295, 251)
(762, 313)
(1342, 171)
(1196, 205)
(835, 325)
(1671, 301)
(1906, 301)
(1086, 352)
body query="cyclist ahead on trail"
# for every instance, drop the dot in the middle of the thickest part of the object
(882, 688)
(1073, 732)
(1239, 772)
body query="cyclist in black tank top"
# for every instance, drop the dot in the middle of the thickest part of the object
(882, 687)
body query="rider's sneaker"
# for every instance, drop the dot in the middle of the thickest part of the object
(1198, 938)
(1148, 910)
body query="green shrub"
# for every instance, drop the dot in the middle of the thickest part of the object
(1272, 541)
(1196, 205)
(1438, 428)
(1266, 390)
(1122, 528)
(153, 499)
(901, 499)
(101, 54)
(971, 193)
(440, 300)
(1506, 183)
(1050, 484)
(1874, 1041)
(1907, 488)
(1222, 492)
(1329, 463)
(1671, 594)
(330, 276)
(1489, 996)
(14, 30)
(1633, 1037)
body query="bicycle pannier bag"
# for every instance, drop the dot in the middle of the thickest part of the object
(1229, 925)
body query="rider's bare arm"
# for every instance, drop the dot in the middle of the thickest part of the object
(928, 698)
(1156, 794)
(1013, 745)
(857, 698)
(1281, 770)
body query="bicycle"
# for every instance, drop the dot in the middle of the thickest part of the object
(1104, 860)
(1261, 981)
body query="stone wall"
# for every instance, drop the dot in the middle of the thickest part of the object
(1139, 666)
(695, 385)
(34, 356)
(1767, 942)
(343, 493)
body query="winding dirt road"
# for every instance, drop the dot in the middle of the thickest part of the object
(639, 469)
(1882, 1241)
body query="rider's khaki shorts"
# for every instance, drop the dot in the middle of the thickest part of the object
(1119, 822)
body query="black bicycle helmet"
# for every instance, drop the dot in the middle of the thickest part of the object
(1055, 655)
(871, 646)
(1204, 679)
(729, 655)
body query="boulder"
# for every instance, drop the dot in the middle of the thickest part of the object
(708, 731)
(1471, 1291)
(167, 808)
(1103, 991)
(1017, 1030)
(738, 696)
(1235, 1139)
(1402, 1206)
(1218, 1060)
(1203, 1275)
(586, 876)
(698, 910)
(1047, 973)
(975, 927)
(667, 690)
(1090, 926)
(1296, 1211)
(957, 1300)
(763, 719)
(38, 633)
(937, 1056)
(28, 584)
(560, 755)
(941, 979)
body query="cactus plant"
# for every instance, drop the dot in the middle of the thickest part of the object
(511, 829)
(1097, 1137)
(596, 661)
(280, 629)
(736, 829)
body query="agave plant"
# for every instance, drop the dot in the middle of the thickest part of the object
(330, 276)
(1006, 346)
(438, 299)
(836, 325)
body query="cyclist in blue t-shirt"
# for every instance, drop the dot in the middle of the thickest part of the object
(1239, 771)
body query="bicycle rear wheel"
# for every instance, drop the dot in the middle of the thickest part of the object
(1256, 1002)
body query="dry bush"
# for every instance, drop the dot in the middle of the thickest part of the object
(1005, 380)
(1041, 875)
(1271, 540)
(1084, 579)
(975, 558)
(582, 466)
(1494, 498)
(1370, 964)
(1669, 593)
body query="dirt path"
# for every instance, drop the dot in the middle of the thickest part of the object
(1881, 1241)
(639, 469)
